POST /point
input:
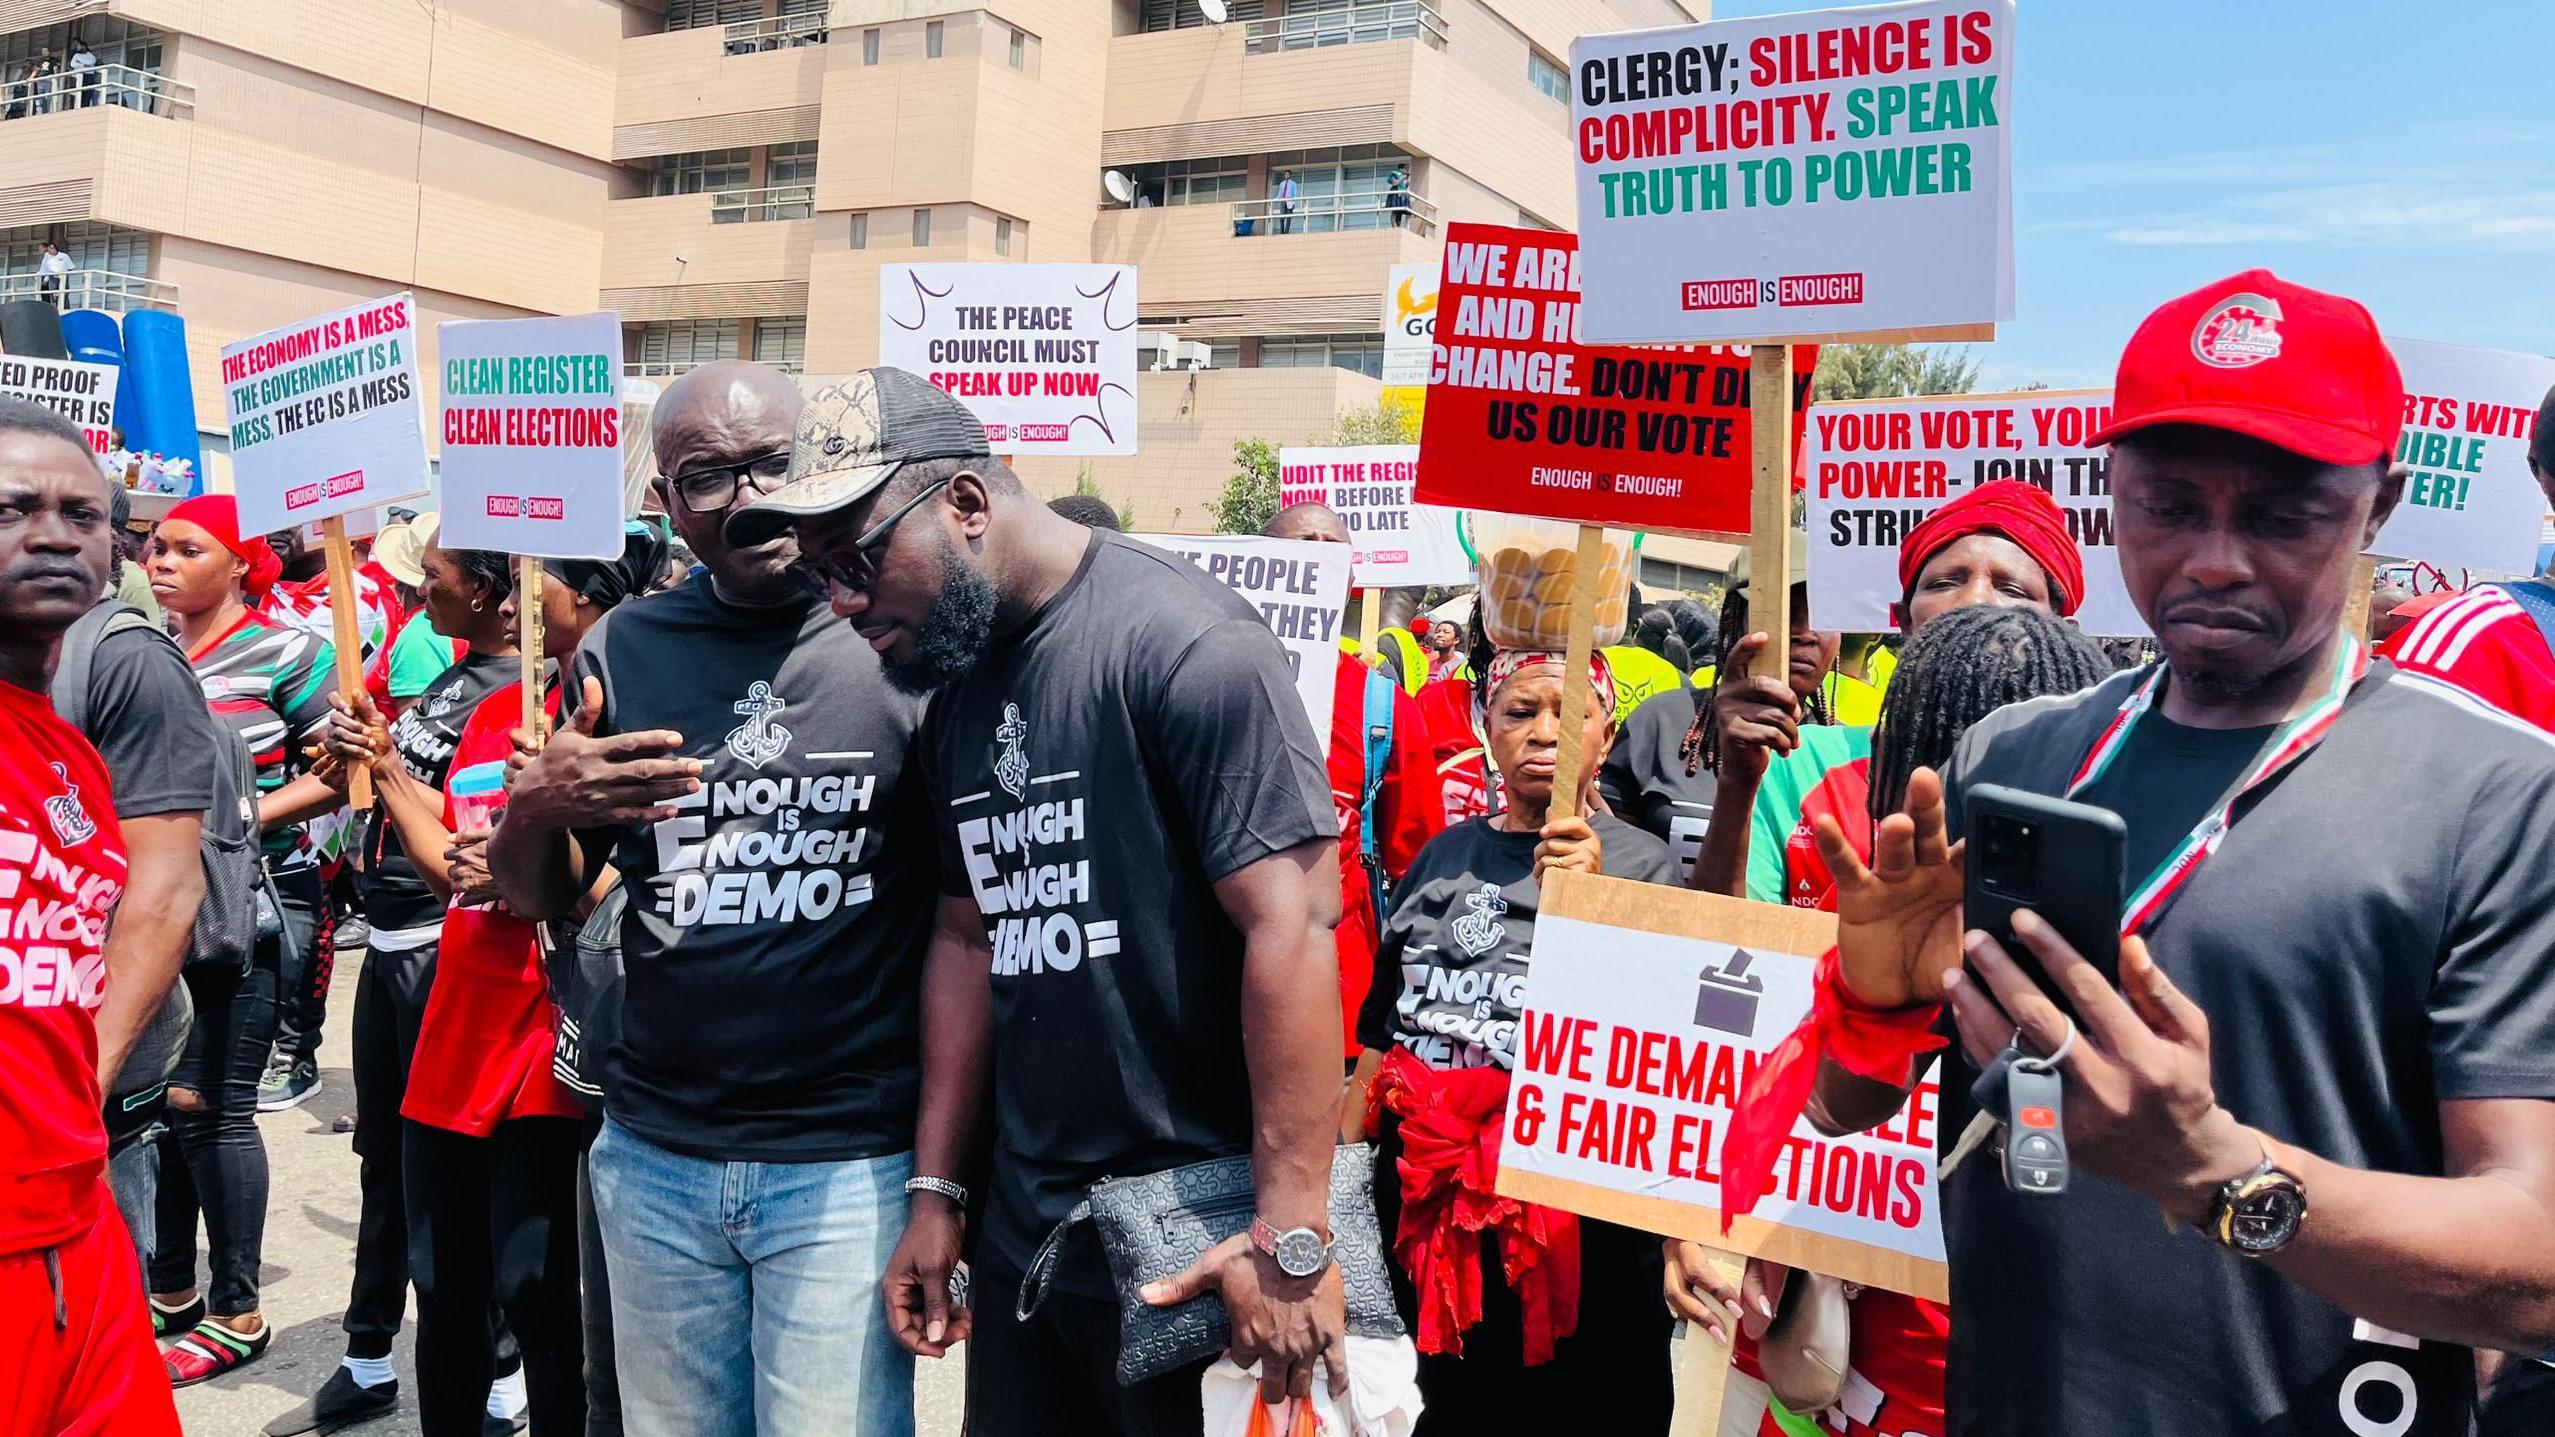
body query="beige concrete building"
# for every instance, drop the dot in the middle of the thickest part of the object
(730, 174)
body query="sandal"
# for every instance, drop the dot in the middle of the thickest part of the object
(167, 1320)
(211, 1349)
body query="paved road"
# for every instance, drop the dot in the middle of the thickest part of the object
(310, 1244)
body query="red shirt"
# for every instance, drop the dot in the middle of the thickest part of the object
(1843, 793)
(1446, 706)
(1406, 818)
(2484, 643)
(61, 872)
(484, 1047)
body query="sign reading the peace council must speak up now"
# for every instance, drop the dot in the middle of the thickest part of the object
(1830, 173)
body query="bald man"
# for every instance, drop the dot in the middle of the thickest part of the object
(737, 755)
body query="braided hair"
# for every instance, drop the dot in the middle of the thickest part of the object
(1701, 747)
(1961, 667)
(490, 567)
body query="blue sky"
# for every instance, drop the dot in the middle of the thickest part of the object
(2401, 154)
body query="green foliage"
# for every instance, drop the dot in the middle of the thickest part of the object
(1377, 423)
(1892, 371)
(1086, 482)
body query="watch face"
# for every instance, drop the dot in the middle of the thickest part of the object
(1301, 1252)
(2265, 1219)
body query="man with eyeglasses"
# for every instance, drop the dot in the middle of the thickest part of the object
(736, 754)
(1139, 878)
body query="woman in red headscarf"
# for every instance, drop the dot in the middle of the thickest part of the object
(269, 682)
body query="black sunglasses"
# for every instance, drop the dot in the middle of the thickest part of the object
(822, 574)
(712, 488)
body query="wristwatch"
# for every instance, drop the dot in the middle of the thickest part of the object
(2258, 1213)
(1298, 1251)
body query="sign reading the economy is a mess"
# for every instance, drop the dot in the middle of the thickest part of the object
(1646, 1012)
(2469, 499)
(1410, 324)
(1394, 541)
(1874, 470)
(1836, 172)
(79, 391)
(1044, 354)
(325, 415)
(1300, 590)
(1524, 419)
(532, 436)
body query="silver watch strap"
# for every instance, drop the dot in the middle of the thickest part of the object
(943, 1186)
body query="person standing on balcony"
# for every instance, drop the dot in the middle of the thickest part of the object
(40, 81)
(1397, 194)
(51, 267)
(84, 73)
(1286, 197)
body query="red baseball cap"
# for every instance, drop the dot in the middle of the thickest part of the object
(2256, 355)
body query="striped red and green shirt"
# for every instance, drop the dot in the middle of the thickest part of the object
(269, 681)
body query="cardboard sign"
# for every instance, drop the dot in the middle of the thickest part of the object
(1872, 470)
(1832, 173)
(81, 392)
(1646, 1010)
(1396, 542)
(1410, 323)
(532, 436)
(1299, 588)
(2469, 500)
(325, 415)
(1524, 419)
(1044, 354)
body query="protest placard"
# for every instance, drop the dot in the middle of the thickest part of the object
(1300, 590)
(325, 415)
(1395, 540)
(1410, 323)
(1646, 1011)
(1525, 419)
(2469, 499)
(79, 391)
(1044, 354)
(1830, 174)
(1872, 470)
(532, 436)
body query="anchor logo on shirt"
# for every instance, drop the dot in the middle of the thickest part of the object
(1479, 931)
(758, 740)
(1011, 770)
(71, 823)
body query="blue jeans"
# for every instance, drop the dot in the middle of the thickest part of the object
(745, 1296)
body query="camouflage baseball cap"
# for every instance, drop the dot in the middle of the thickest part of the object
(852, 437)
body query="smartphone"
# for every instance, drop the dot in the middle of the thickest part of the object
(2058, 858)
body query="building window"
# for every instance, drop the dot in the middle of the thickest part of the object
(701, 171)
(869, 47)
(1002, 235)
(671, 346)
(860, 231)
(934, 36)
(793, 163)
(1340, 188)
(693, 14)
(1214, 181)
(1019, 49)
(922, 229)
(1311, 24)
(1363, 353)
(1224, 354)
(781, 341)
(1185, 14)
(1548, 76)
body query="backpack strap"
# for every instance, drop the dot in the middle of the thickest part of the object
(1379, 753)
(71, 672)
(2538, 598)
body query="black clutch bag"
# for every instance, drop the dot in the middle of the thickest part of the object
(1157, 1225)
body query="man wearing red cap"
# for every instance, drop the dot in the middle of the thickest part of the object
(2496, 641)
(2333, 1066)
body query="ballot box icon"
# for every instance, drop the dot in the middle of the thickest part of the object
(1727, 1001)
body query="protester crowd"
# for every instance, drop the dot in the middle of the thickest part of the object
(898, 875)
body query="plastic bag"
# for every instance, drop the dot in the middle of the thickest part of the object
(1524, 568)
(1383, 1397)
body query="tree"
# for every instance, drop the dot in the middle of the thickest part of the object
(1892, 371)
(1250, 497)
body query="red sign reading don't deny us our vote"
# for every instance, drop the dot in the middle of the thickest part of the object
(1524, 419)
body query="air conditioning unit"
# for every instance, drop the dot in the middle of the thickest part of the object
(1167, 349)
(1198, 355)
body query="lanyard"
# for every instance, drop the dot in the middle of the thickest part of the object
(2292, 741)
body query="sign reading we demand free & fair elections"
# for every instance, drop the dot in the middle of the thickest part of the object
(1832, 173)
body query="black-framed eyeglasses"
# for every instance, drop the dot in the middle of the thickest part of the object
(824, 573)
(713, 487)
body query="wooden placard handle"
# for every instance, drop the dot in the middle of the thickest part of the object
(529, 583)
(347, 635)
(1567, 759)
(1770, 506)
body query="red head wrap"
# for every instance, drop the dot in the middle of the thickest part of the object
(1507, 664)
(219, 516)
(2014, 510)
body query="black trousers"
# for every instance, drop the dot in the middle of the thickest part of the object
(302, 1004)
(494, 1220)
(390, 1003)
(1057, 1373)
(603, 1384)
(1617, 1358)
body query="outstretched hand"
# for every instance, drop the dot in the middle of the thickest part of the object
(1898, 921)
(577, 780)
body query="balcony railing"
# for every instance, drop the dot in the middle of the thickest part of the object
(1361, 24)
(91, 289)
(1327, 214)
(148, 91)
(669, 368)
(773, 202)
(779, 32)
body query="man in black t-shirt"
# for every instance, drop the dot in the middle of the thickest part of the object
(2327, 1065)
(736, 754)
(1137, 844)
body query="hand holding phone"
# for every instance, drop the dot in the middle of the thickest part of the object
(2058, 858)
